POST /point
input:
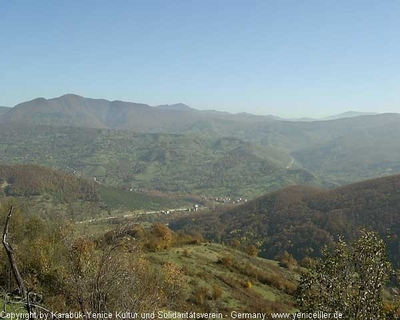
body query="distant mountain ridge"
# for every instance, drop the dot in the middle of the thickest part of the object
(349, 114)
(74, 110)
(176, 106)
(4, 110)
(344, 115)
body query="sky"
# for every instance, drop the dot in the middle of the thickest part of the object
(290, 58)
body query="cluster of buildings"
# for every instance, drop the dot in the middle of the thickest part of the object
(229, 200)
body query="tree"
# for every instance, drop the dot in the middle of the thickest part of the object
(348, 280)
(26, 296)
(110, 273)
(252, 250)
(78, 273)
(161, 237)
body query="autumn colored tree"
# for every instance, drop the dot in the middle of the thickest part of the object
(348, 280)
(173, 283)
(286, 260)
(252, 250)
(160, 237)
(71, 271)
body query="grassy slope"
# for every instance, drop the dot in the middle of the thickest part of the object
(117, 198)
(203, 270)
(271, 285)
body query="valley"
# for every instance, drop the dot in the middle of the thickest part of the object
(243, 156)
(199, 160)
(223, 214)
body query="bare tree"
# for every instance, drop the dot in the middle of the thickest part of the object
(22, 296)
(23, 292)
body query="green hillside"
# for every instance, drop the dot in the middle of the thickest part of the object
(180, 149)
(116, 198)
(368, 153)
(164, 162)
(53, 194)
(176, 148)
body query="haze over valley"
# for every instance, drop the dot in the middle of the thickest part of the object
(179, 149)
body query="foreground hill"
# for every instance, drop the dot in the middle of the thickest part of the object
(220, 278)
(149, 268)
(301, 220)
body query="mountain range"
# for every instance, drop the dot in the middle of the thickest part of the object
(4, 110)
(349, 114)
(74, 110)
(71, 109)
(320, 153)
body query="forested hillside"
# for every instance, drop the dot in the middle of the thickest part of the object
(30, 180)
(301, 220)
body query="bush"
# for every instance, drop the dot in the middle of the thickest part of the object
(216, 292)
(286, 260)
(227, 261)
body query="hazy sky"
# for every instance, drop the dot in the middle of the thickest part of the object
(287, 58)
